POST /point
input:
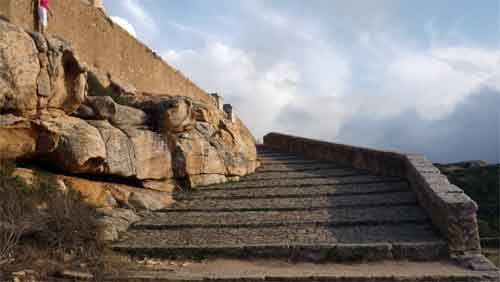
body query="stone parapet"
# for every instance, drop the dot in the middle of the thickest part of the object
(452, 212)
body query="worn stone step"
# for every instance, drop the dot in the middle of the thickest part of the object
(308, 191)
(326, 217)
(295, 202)
(314, 252)
(297, 167)
(274, 155)
(267, 151)
(291, 161)
(422, 251)
(160, 276)
(166, 276)
(279, 157)
(302, 182)
(281, 235)
(321, 173)
(260, 270)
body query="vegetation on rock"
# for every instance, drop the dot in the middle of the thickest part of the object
(43, 228)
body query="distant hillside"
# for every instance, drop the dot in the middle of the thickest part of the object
(481, 182)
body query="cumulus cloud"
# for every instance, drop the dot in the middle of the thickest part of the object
(437, 80)
(262, 93)
(376, 88)
(264, 85)
(257, 96)
(430, 81)
(125, 25)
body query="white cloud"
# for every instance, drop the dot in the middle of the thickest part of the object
(442, 77)
(125, 25)
(287, 74)
(431, 82)
(315, 96)
(257, 96)
(139, 15)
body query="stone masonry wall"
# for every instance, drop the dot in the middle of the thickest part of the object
(106, 46)
(452, 212)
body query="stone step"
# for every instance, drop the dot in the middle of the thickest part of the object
(302, 182)
(278, 157)
(297, 167)
(298, 202)
(423, 251)
(308, 191)
(282, 235)
(321, 173)
(299, 210)
(267, 151)
(270, 218)
(303, 243)
(261, 270)
(162, 276)
(291, 161)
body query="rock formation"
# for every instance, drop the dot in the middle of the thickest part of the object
(58, 113)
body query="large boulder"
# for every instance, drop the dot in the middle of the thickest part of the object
(68, 76)
(207, 147)
(128, 116)
(197, 160)
(176, 115)
(120, 155)
(134, 152)
(103, 194)
(106, 194)
(104, 107)
(235, 145)
(19, 69)
(78, 146)
(38, 72)
(152, 154)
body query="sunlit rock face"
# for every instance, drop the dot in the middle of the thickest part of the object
(58, 113)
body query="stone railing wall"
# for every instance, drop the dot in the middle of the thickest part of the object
(106, 46)
(452, 212)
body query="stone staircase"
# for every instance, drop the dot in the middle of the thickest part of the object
(293, 220)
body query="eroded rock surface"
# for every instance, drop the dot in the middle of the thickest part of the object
(19, 69)
(58, 113)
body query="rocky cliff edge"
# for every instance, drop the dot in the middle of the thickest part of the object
(58, 114)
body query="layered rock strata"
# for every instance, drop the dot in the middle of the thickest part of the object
(58, 113)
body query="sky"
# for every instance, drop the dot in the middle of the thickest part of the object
(412, 76)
